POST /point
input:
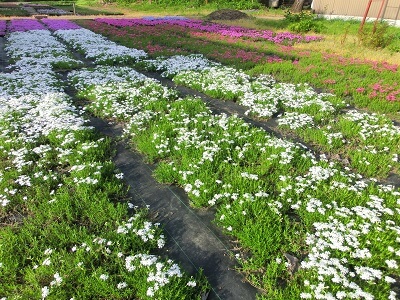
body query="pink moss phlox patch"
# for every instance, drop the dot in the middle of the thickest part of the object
(60, 24)
(25, 25)
(225, 30)
(375, 65)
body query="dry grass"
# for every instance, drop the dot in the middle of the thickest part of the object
(346, 45)
(350, 47)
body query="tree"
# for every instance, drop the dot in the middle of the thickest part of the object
(297, 6)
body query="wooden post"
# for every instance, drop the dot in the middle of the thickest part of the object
(365, 16)
(73, 8)
(379, 14)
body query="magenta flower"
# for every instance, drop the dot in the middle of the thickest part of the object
(225, 30)
(25, 25)
(60, 24)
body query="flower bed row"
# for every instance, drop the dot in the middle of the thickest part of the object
(96, 47)
(61, 200)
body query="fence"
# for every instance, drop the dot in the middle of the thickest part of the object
(352, 8)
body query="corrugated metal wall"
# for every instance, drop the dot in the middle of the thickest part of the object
(357, 8)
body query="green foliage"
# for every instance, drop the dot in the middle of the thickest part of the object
(237, 4)
(302, 22)
(233, 4)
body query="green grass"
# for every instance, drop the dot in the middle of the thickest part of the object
(6, 11)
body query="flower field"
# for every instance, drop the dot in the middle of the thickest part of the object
(66, 232)
(316, 216)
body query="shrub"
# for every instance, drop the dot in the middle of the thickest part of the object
(302, 22)
(378, 38)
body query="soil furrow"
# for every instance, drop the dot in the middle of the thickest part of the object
(3, 56)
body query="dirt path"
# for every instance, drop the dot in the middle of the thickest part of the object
(3, 56)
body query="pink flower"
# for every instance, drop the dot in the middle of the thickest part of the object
(391, 97)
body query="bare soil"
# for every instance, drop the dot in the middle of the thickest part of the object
(227, 14)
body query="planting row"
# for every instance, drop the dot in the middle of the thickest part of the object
(61, 199)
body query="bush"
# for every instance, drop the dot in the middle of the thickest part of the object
(302, 22)
(376, 39)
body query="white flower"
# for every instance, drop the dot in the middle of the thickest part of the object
(305, 296)
(392, 295)
(150, 292)
(191, 283)
(45, 292)
(57, 279)
(46, 262)
(122, 285)
(103, 277)
(392, 264)
(48, 251)
(389, 279)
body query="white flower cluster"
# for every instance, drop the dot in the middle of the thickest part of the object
(296, 120)
(352, 214)
(33, 53)
(119, 92)
(148, 231)
(34, 113)
(102, 75)
(53, 11)
(372, 126)
(262, 95)
(159, 273)
(36, 48)
(175, 64)
(32, 105)
(98, 48)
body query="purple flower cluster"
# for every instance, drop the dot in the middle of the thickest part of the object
(54, 24)
(25, 25)
(231, 31)
(3, 27)
(60, 24)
